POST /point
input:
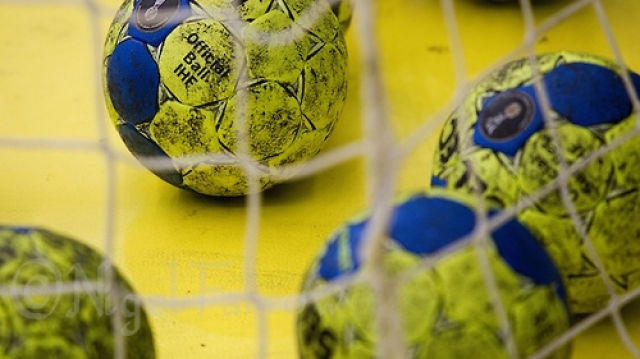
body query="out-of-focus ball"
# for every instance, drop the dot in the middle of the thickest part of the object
(497, 144)
(53, 311)
(446, 310)
(220, 87)
(343, 9)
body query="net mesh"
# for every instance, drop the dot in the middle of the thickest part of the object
(386, 148)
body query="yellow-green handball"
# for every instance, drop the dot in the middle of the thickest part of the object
(343, 9)
(210, 93)
(446, 310)
(497, 144)
(62, 299)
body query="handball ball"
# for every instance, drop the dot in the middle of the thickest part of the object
(343, 9)
(70, 323)
(214, 86)
(497, 144)
(446, 310)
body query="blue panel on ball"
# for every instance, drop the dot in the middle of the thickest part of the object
(588, 94)
(153, 20)
(341, 256)
(438, 182)
(143, 148)
(132, 80)
(424, 225)
(508, 119)
(635, 78)
(525, 255)
(18, 229)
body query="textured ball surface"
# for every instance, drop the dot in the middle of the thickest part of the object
(497, 144)
(446, 309)
(343, 9)
(214, 86)
(74, 324)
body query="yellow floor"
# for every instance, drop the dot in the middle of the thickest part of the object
(176, 245)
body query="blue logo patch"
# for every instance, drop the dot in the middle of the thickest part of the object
(153, 20)
(508, 119)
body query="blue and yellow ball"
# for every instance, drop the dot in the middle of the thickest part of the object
(208, 94)
(498, 144)
(446, 309)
